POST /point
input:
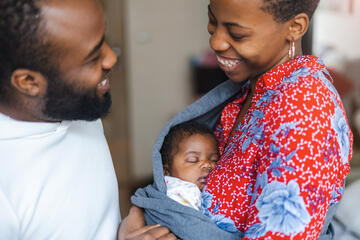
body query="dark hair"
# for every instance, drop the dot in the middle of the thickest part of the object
(22, 44)
(176, 134)
(284, 10)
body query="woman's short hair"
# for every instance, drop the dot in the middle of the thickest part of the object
(284, 10)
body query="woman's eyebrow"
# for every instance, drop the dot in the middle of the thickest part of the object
(228, 24)
(231, 24)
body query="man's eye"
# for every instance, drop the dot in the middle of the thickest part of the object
(95, 59)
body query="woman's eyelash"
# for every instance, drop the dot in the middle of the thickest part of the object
(236, 37)
(212, 21)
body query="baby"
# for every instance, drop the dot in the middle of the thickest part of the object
(189, 153)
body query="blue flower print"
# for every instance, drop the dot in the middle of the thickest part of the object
(206, 199)
(220, 220)
(281, 209)
(261, 181)
(339, 124)
(321, 76)
(294, 77)
(256, 128)
(266, 98)
(336, 193)
(285, 129)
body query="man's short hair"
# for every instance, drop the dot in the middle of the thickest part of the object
(22, 40)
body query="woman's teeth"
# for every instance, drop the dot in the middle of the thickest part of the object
(227, 63)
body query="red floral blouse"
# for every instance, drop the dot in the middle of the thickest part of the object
(286, 161)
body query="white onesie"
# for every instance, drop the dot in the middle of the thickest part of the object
(184, 192)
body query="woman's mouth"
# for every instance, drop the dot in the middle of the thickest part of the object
(227, 64)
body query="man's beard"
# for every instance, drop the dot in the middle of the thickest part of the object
(62, 102)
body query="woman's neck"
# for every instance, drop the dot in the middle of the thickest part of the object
(284, 59)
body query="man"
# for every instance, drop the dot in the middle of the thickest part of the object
(57, 180)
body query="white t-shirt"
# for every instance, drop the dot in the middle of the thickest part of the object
(57, 181)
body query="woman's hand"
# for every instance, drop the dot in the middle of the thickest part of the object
(133, 227)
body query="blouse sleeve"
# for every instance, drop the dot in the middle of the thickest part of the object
(308, 147)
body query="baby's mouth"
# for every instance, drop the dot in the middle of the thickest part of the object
(203, 179)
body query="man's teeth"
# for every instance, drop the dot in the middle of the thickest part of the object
(227, 63)
(103, 82)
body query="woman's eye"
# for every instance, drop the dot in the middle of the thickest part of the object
(210, 29)
(212, 22)
(237, 37)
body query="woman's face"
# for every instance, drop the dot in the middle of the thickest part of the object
(247, 40)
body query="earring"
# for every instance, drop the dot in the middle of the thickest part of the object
(292, 50)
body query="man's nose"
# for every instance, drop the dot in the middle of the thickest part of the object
(110, 58)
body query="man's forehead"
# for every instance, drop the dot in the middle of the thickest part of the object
(68, 21)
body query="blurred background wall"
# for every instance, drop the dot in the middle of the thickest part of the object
(151, 82)
(161, 37)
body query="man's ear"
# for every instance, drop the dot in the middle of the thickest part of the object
(29, 82)
(298, 26)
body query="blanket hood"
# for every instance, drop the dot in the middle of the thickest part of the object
(206, 110)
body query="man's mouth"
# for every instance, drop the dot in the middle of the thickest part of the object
(103, 83)
(103, 86)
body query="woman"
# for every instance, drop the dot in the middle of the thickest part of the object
(285, 142)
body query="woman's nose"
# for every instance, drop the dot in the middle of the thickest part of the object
(218, 41)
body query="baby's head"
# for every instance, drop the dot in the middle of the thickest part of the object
(189, 152)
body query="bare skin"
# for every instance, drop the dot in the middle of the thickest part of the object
(133, 227)
(75, 29)
(196, 157)
(252, 41)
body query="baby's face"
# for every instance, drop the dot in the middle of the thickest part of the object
(195, 159)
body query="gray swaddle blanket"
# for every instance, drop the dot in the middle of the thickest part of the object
(185, 222)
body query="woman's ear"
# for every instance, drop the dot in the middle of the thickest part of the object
(298, 26)
(29, 82)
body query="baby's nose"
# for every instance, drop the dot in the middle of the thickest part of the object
(207, 166)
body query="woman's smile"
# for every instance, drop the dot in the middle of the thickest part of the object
(228, 64)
